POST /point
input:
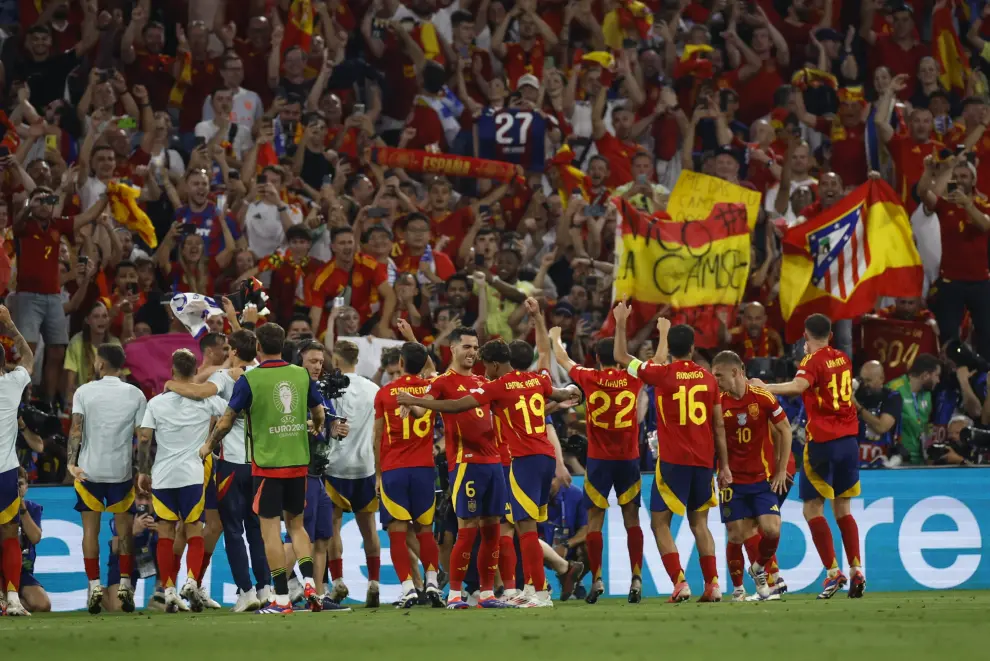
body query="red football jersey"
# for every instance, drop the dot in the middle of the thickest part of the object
(469, 436)
(687, 395)
(828, 400)
(747, 433)
(406, 442)
(518, 401)
(611, 412)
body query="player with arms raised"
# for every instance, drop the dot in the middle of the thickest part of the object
(831, 455)
(748, 413)
(613, 456)
(518, 399)
(406, 475)
(690, 431)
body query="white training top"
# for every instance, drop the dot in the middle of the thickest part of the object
(12, 386)
(233, 448)
(353, 457)
(111, 410)
(181, 426)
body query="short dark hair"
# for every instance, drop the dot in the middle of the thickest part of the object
(605, 350)
(340, 231)
(298, 232)
(729, 358)
(416, 216)
(390, 356)
(459, 332)
(124, 264)
(113, 354)
(346, 351)
(460, 277)
(485, 231)
(680, 340)
(818, 326)
(211, 340)
(461, 16)
(599, 157)
(184, 363)
(271, 338)
(495, 351)
(309, 345)
(521, 355)
(414, 357)
(244, 344)
(300, 317)
(924, 363)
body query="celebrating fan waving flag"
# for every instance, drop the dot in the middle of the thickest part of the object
(299, 29)
(838, 262)
(948, 50)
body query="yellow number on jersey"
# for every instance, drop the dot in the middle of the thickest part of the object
(535, 406)
(841, 391)
(689, 408)
(744, 434)
(420, 426)
(625, 398)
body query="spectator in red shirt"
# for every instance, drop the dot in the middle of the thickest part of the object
(475, 63)
(964, 276)
(618, 148)
(148, 64)
(205, 74)
(292, 272)
(900, 51)
(357, 278)
(847, 133)
(193, 271)
(536, 38)
(756, 87)
(256, 53)
(37, 305)
(414, 254)
(907, 151)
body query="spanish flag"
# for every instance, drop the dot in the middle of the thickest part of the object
(948, 51)
(571, 178)
(425, 34)
(178, 92)
(838, 262)
(299, 29)
(126, 211)
(629, 17)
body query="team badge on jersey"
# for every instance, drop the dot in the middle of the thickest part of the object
(754, 411)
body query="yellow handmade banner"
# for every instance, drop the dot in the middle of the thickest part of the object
(695, 195)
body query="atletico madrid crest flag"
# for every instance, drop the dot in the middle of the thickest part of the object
(838, 262)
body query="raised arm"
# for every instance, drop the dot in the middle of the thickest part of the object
(23, 348)
(439, 405)
(559, 352)
(620, 350)
(542, 337)
(792, 388)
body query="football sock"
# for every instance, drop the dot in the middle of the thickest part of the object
(634, 544)
(194, 556)
(672, 563)
(594, 543)
(337, 569)
(532, 557)
(429, 555)
(850, 539)
(165, 560)
(400, 557)
(734, 555)
(772, 568)
(126, 562)
(822, 536)
(12, 561)
(374, 563)
(768, 547)
(93, 568)
(709, 569)
(460, 557)
(280, 579)
(507, 562)
(753, 548)
(306, 567)
(488, 554)
(206, 563)
(176, 563)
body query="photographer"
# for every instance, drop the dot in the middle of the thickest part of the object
(915, 389)
(879, 411)
(350, 475)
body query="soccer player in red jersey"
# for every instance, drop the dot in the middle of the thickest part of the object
(613, 456)
(690, 431)
(831, 455)
(406, 475)
(477, 485)
(518, 399)
(750, 507)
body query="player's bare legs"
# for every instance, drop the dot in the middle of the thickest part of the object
(319, 563)
(91, 560)
(737, 532)
(194, 561)
(698, 520)
(372, 555)
(211, 535)
(11, 563)
(534, 578)
(124, 522)
(842, 509)
(634, 544)
(302, 547)
(35, 599)
(821, 534)
(459, 559)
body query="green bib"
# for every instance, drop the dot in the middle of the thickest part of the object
(276, 421)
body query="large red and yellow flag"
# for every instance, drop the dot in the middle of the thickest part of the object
(571, 179)
(947, 49)
(299, 28)
(125, 210)
(838, 262)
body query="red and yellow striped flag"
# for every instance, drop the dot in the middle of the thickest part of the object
(125, 210)
(182, 83)
(948, 50)
(299, 28)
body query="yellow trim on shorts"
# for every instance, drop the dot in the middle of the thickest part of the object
(197, 510)
(123, 505)
(162, 511)
(712, 501)
(670, 499)
(335, 497)
(823, 488)
(458, 479)
(396, 511)
(599, 501)
(89, 500)
(426, 518)
(8, 514)
(535, 512)
(630, 493)
(852, 491)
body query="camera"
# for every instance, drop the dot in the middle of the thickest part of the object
(963, 356)
(768, 370)
(333, 384)
(42, 423)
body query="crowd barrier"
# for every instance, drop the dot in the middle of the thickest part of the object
(919, 529)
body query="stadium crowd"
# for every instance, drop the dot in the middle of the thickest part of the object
(222, 148)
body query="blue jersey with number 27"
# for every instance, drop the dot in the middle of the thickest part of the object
(513, 135)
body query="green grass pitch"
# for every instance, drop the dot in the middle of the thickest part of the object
(897, 626)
